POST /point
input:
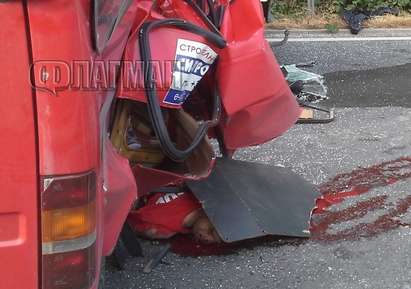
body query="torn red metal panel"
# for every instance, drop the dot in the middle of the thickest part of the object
(120, 193)
(256, 97)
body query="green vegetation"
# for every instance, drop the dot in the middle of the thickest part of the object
(331, 27)
(296, 8)
(371, 5)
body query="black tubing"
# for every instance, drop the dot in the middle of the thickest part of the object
(154, 107)
(213, 16)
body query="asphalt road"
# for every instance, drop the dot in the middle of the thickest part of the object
(370, 86)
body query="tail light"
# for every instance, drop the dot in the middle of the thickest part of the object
(68, 217)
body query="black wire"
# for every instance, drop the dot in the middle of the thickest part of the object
(210, 23)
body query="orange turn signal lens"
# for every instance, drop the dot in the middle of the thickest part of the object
(68, 217)
(69, 223)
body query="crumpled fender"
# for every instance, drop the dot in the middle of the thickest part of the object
(258, 103)
(121, 192)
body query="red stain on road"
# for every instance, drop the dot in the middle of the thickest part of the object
(360, 182)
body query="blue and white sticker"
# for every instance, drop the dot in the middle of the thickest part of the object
(193, 60)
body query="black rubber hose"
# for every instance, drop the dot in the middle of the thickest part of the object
(154, 108)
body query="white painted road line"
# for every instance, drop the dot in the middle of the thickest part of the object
(341, 39)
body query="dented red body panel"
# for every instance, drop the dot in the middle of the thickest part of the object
(73, 122)
(19, 226)
(61, 128)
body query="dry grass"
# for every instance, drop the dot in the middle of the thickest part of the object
(307, 22)
(390, 21)
(320, 22)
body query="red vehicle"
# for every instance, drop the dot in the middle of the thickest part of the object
(66, 191)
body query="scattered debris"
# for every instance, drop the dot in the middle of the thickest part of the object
(309, 88)
(355, 18)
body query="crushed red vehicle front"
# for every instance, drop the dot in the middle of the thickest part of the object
(68, 187)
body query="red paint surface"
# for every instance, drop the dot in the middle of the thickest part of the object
(259, 105)
(18, 160)
(72, 124)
